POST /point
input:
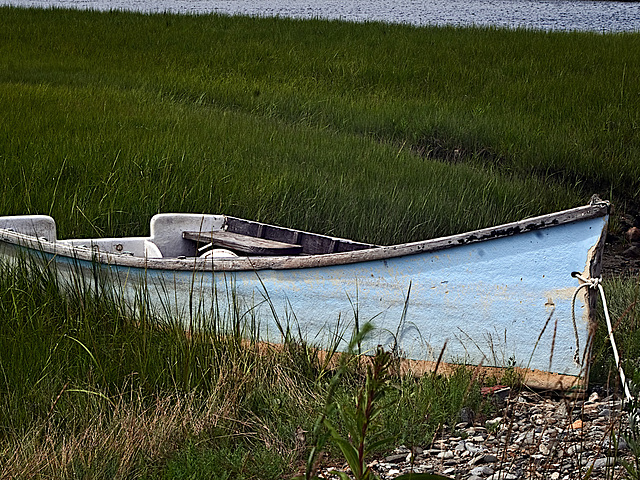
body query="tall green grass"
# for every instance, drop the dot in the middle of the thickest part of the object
(335, 127)
(89, 390)
(103, 161)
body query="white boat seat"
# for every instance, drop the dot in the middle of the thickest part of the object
(218, 253)
(151, 250)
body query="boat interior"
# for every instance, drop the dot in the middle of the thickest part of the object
(182, 235)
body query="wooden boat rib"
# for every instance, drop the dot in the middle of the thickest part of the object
(492, 296)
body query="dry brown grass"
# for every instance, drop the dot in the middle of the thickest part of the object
(135, 431)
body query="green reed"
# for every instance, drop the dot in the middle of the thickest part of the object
(562, 104)
(92, 387)
(330, 126)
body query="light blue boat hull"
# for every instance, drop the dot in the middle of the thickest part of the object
(492, 303)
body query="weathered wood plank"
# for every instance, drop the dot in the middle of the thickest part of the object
(312, 243)
(244, 243)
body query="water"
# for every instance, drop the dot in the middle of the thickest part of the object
(599, 16)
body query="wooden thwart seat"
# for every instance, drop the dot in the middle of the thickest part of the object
(243, 243)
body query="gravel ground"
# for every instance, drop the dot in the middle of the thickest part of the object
(534, 437)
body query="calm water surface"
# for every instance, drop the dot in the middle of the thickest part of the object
(600, 16)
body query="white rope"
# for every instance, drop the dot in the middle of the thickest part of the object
(595, 283)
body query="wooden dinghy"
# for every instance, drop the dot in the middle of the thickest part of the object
(494, 296)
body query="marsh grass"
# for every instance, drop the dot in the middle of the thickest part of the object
(93, 389)
(376, 132)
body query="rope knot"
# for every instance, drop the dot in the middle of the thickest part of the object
(587, 282)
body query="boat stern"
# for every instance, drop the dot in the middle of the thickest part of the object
(42, 227)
